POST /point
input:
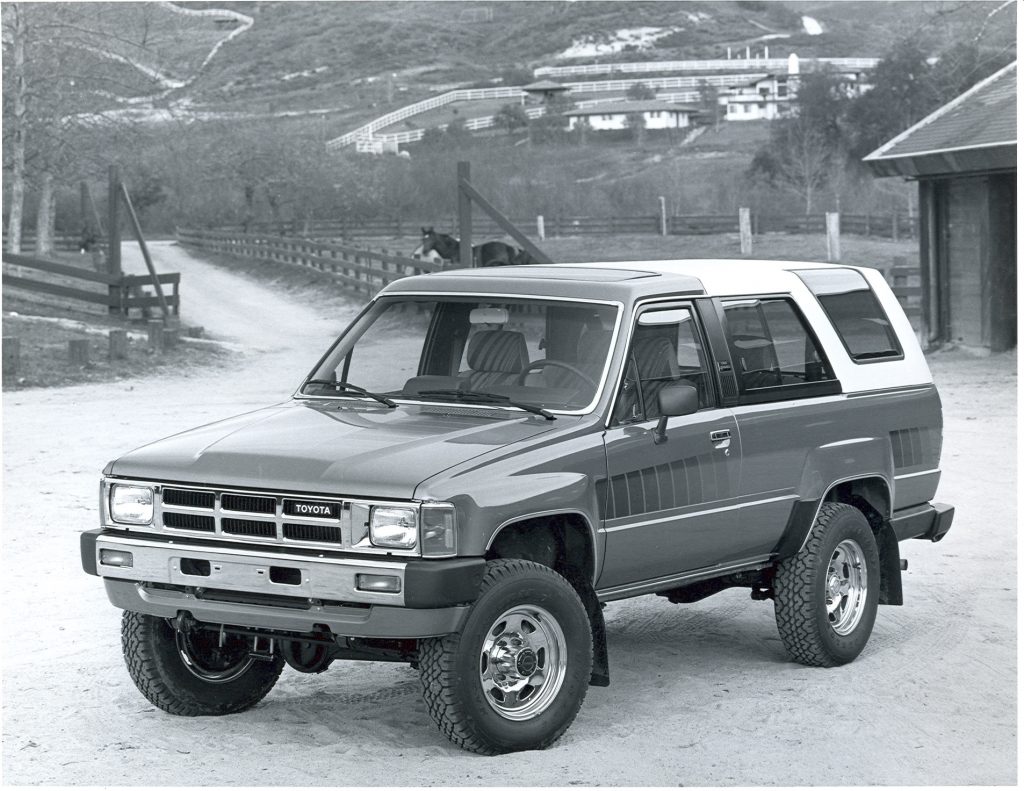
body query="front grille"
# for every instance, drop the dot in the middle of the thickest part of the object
(248, 503)
(248, 527)
(189, 498)
(326, 533)
(257, 517)
(189, 521)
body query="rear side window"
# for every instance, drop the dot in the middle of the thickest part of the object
(774, 354)
(855, 312)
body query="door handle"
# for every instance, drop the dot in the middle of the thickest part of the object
(719, 436)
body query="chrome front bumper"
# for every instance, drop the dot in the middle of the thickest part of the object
(274, 589)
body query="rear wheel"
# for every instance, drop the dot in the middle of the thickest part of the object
(192, 671)
(515, 677)
(826, 596)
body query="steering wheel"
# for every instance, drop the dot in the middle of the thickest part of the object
(536, 365)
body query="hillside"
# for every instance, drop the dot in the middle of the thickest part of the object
(355, 60)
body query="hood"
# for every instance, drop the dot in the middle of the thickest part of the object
(348, 448)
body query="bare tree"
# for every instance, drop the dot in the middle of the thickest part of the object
(800, 159)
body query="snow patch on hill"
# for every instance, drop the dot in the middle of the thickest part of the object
(637, 37)
(812, 27)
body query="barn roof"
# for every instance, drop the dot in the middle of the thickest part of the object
(623, 108)
(977, 131)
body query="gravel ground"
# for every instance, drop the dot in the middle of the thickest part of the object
(701, 694)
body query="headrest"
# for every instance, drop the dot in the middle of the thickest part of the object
(593, 346)
(502, 351)
(655, 357)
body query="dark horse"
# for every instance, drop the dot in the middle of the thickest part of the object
(486, 254)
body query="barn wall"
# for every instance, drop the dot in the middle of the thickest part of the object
(966, 229)
(969, 260)
(1002, 260)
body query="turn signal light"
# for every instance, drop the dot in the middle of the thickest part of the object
(115, 557)
(379, 583)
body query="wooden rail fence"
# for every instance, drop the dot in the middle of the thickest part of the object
(889, 226)
(359, 270)
(123, 292)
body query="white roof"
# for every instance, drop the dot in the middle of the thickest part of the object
(726, 277)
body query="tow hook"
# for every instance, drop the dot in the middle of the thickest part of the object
(262, 648)
(761, 594)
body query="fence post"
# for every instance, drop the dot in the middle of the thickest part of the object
(155, 328)
(113, 229)
(746, 238)
(664, 215)
(118, 344)
(12, 354)
(78, 352)
(895, 227)
(832, 236)
(540, 227)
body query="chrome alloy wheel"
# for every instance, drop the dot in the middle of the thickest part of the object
(522, 662)
(846, 587)
(211, 659)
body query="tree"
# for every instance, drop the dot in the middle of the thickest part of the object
(900, 97)
(511, 117)
(805, 151)
(798, 157)
(637, 125)
(640, 91)
(59, 82)
(710, 107)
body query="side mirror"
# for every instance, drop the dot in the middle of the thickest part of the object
(674, 400)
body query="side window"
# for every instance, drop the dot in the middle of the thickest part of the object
(667, 347)
(774, 354)
(855, 312)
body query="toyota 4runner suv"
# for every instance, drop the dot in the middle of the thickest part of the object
(485, 457)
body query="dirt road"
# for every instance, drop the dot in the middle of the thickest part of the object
(701, 694)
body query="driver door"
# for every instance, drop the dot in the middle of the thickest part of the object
(667, 507)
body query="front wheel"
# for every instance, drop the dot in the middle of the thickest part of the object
(515, 677)
(826, 596)
(193, 672)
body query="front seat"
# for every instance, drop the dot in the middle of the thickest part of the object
(656, 366)
(495, 357)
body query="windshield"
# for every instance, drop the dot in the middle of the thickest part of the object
(541, 353)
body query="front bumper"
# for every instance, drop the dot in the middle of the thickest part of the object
(298, 590)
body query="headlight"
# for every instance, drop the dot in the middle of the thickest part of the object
(438, 521)
(393, 527)
(131, 505)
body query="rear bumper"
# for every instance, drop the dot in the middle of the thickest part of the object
(930, 521)
(297, 590)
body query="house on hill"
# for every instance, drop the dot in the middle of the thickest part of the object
(543, 91)
(964, 159)
(615, 115)
(765, 97)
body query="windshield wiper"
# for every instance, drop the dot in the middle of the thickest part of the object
(346, 387)
(476, 397)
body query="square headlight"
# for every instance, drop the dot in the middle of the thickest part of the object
(132, 505)
(393, 527)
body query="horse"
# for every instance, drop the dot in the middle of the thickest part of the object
(485, 254)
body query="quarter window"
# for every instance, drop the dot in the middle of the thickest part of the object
(855, 312)
(774, 355)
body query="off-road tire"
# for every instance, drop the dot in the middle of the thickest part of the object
(151, 654)
(800, 590)
(450, 666)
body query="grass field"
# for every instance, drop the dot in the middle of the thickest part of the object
(856, 250)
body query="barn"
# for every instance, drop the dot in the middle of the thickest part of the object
(964, 159)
